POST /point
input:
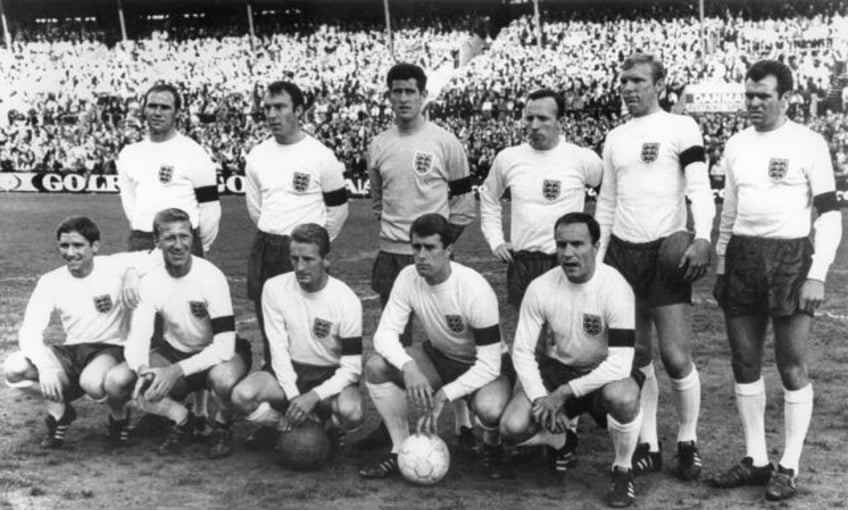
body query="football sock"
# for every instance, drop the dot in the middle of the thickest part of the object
(201, 403)
(166, 407)
(751, 402)
(545, 437)
(625, 437)
(120, 411)
(390, 402)
(649, 397)
(797, 411)
(223, 418)
(491, 436)
(55, 409)
(686, 395)
(462, 415)
(264, 414)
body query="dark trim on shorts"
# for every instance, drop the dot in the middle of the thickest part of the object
(637, 263)
(205, 194)
(308, 376)
(335, 198)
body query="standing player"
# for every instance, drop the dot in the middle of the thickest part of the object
(291, 178)
(547, 177)
(414, 167)
(461, 358)
(314, 326)
(776, 171)
(88, 294)
(588, 366)
(652, 164)
(198, 348)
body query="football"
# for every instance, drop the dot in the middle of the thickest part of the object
(671, 250)
(424, 459)
(304, 448)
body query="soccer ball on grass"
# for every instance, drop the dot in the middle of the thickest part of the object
(424, 459)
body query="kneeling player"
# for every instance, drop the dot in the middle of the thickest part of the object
(588, 366)
(460, 359)
(198, 349)
(314, 327)
(88, 292)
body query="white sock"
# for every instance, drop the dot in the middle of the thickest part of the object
(545, 437)
(55, 409)
(265, 415)
(686, 395)
(166, 407)
(797, 411)
(625, 437)
(201, 403)
(390, 402)
(462, 415)
(751, 402)
(649, 399)
(491, 436)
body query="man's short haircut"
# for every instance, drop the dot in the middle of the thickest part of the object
(432, 224)
(81, 225)
(556, 96)
(580, 217)
(278, 87)
(657, 67)
(166, 87)
(404, 71)
(166, 216)
(312, 233)
(779, 70)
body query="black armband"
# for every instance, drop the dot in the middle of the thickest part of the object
(335, 198)
(223, 324)
(206, 194)
(825, 202)
(352, 346)
(487, 336)
(622, 337)
(693, 154)
(459, 187)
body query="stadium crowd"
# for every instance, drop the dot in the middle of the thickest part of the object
(70, 100)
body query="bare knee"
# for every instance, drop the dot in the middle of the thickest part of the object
(621, 399)
(793, 376)
(92, 384)
(119, 381)
(677, 362)
(350, 412)
(515, 427)
(245, 397)
(489, 408)
(376, 370)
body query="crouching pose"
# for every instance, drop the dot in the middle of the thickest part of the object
(588, 366)
(314, 327)
(198, 349)
(460, 359)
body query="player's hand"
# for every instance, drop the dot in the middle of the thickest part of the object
(504, 253)
(545, 409)
(129, 289)
(51, 385)
(429, 421)
(561, 422)
(142, 383)
(812, 295)
(284, 425)
(164, 379)
(301, 407)
(696, 260)
(418, 387)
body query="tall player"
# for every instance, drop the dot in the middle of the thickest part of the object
(547, 177)
(652, 164)
(414, 167)
(776, 171)
(314, 327)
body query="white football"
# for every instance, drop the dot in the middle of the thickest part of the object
(423, 459)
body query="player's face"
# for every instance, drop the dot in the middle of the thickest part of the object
(406, 100)
(175, 239)
(576, 251)
(432, 259)
(281, 115)
(639, 91)
(540, 121)
(766, 109)
(161, 113)
(310, 268)
(78, 253)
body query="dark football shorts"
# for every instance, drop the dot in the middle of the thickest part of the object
(386, 268)
(637, 262)
(763, 276)
(269, 257)
(308, 376)
(197, 381)
(73, 359)
(449, 369)
(526, 267)
(555, 374)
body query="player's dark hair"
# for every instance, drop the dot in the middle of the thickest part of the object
(432, 224)
(556, 96)
(657, 67)
(278, 87)
(779, 70)
(312, 233)
(81, 225)
(165, 87)
(581, 217)
(166, 216)
(404, 71)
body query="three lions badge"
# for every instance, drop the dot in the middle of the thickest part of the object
(455, 323)
(778, 168)
(551, 189)
(198, 309)
(103, 303)
(166, 174)
(423, 162)
(592, 324)
(300, 182)
(321, 328)
(650, 152)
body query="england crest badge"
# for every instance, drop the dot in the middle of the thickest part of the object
(455, 323)
(592, 324)
(423, 162)
(321, 328)
(300, 182)
(103, 303)
(551, 189)
(198, 309)
(778, 168)
(650, 151)
(166, 174)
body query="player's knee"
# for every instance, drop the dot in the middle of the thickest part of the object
(15, 368)
(793, 376)
(118, 381)
(92, 385)
(621, 398)
(514, 427)
(746, 370)
(677, 363)
(489, 409)
(376, 369)
(350, 412)
(244, 397)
